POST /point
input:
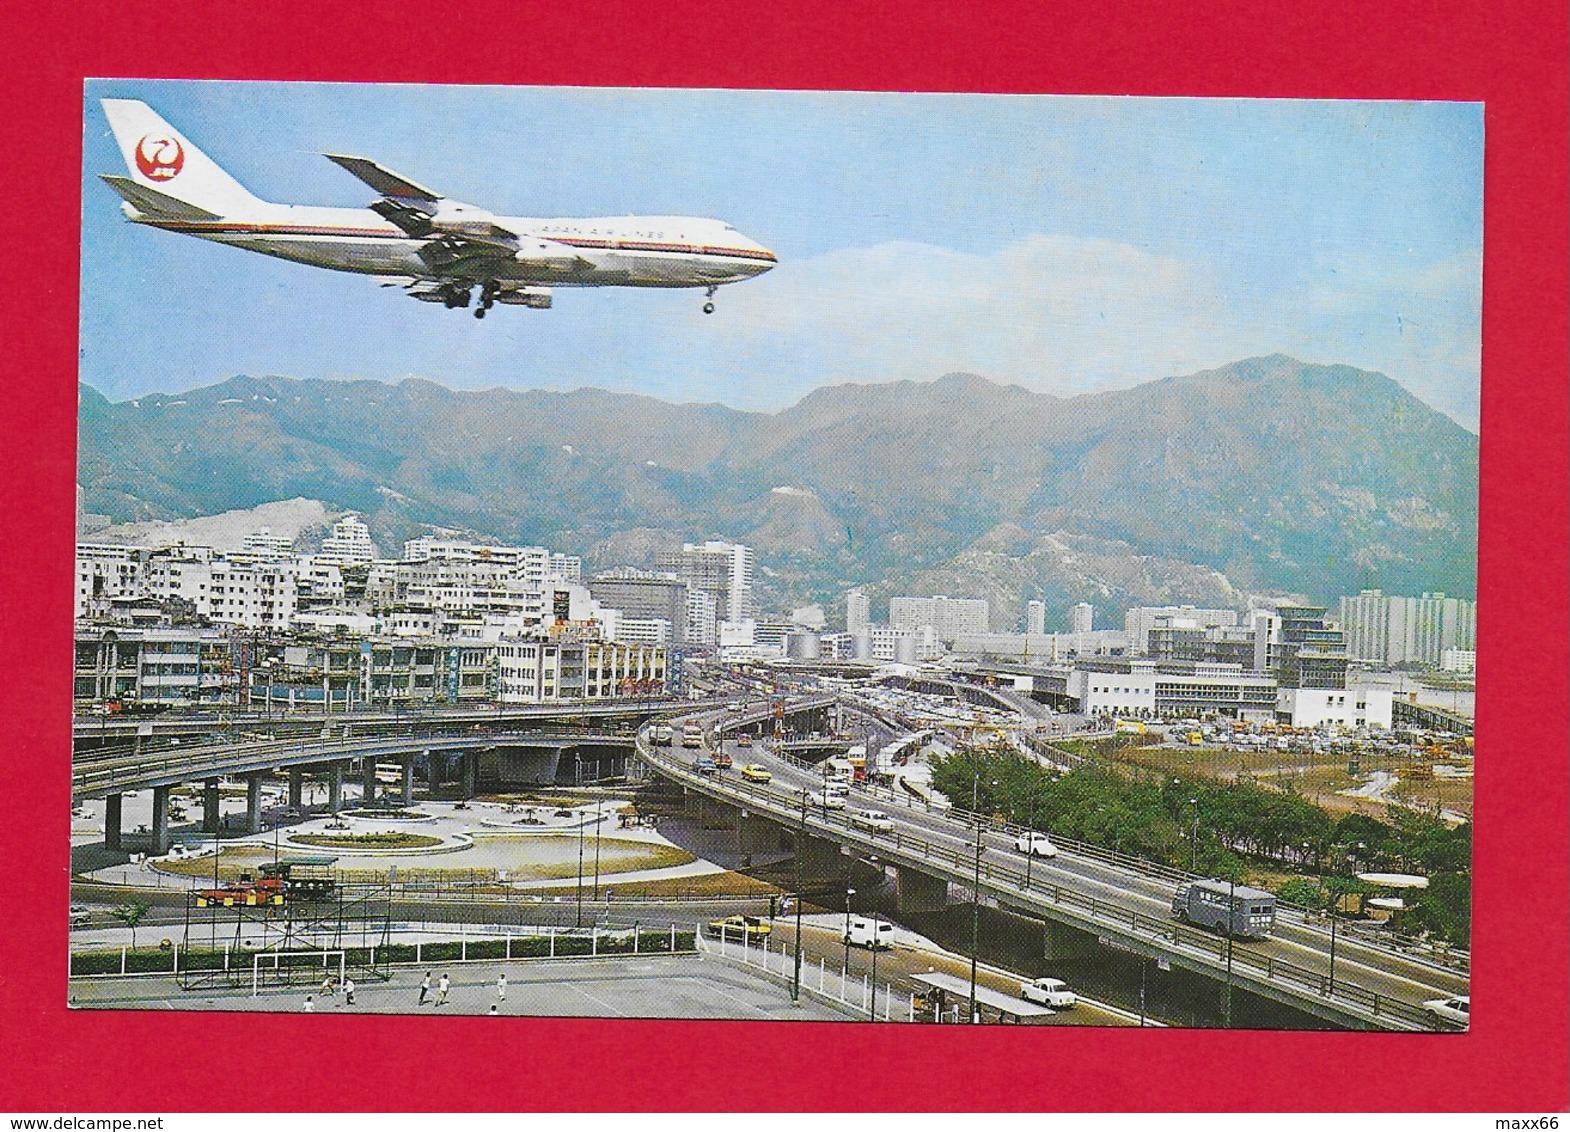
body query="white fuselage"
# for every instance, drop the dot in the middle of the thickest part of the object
(621, 251)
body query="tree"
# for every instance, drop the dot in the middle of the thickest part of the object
(130, 914)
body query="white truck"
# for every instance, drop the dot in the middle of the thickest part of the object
(874, 935)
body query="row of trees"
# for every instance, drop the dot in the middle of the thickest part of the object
(1221, 829)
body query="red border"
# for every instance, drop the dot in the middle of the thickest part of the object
(1511, 56)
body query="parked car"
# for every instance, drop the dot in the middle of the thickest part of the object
(738, 927)
(1457, 1008)
(1035, 845)
(1048, 992)
(754, 772)
(875, 820)
(81, 915)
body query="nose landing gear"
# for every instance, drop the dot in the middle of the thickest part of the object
(708, 307)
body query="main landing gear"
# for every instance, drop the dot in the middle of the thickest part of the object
(488, 292)
(454, 296)
(708, 307)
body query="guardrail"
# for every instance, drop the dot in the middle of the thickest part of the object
(215, 759)
(1453, 961)
(958, 864)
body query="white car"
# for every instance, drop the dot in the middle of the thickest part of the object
(828, 799)
(1035, 845)
(1456, 1008)
(1048, 992)
(875, 820)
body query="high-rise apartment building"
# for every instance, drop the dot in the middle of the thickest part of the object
(1407, 630)
(1035, 617)
(858, 611)
(349, 544)
(723, 569)
(1082, 617)
(949, 617)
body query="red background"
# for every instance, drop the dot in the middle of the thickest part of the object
(1512, 56)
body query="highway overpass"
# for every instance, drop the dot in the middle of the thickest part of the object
(1122, 900)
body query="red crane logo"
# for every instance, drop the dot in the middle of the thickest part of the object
(159, 157)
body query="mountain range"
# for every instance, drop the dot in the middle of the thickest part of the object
(1269, 474)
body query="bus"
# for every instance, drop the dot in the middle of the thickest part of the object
(1232, 909)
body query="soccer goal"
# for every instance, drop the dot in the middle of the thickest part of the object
(284, 967)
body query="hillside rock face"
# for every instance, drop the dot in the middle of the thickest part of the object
(1266, 474)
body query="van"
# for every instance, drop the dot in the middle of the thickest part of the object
(874, 935)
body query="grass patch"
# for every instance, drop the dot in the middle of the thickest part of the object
(706, 884)
(366, 840)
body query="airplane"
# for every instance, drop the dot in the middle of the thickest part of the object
(437, 249)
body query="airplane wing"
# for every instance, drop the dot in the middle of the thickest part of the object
(462, 237)
(384, 180)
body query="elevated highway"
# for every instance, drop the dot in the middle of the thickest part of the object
(1122, 900)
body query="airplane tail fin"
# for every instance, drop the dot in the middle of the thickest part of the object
(161, 160)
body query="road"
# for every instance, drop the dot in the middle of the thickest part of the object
(1297, 949)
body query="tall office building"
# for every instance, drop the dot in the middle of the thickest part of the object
(645, 596)
(858, 612)
(723, 569)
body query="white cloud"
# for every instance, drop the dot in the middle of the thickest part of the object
(1055, 313)
(1066, 315)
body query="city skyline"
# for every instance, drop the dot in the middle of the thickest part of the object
(1065, 244)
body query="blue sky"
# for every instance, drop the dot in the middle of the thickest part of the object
(1063, 244)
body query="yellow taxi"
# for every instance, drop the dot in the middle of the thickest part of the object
(753, 772)
(738, 927)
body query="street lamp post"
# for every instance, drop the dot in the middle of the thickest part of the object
(873, 1013)
(849, 892)
(1231, 931)
(975, 897)
(1193, 841)
(579, 916)
(801, 845)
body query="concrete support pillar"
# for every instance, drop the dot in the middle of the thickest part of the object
(367, 780)
(407, 780)
(210, 806)
(160, 823)
(112, 810)
(334, 787)
(916, 891)
(820, 858)
(471, 766)
(433, 770)
(253, 803)
(756, 835)
(296, 788)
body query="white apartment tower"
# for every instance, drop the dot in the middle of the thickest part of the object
(858, 612)
(1082, 617)
(349, 544)
(1036, 617)
(948, 616)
